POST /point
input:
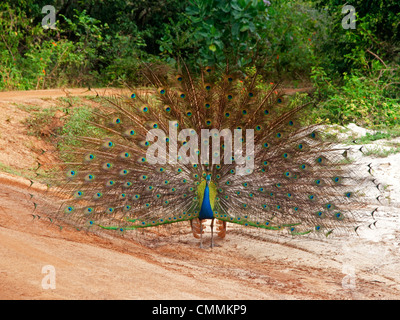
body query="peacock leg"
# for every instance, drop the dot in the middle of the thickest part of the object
(212, 233)
(201, 234)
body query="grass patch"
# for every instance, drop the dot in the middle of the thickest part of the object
(78, 124)
(25, 173)
(39, 120)
(381, 152)
(374, 137)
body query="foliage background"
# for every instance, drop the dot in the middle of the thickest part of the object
(355, 73)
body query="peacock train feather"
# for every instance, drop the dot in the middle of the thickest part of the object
(154, 163)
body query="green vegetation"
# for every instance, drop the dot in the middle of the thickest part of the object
(355, 72)
(381, 152)
(73, 118)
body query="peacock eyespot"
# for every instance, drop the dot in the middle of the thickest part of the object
(78, 194)
(124, 172)
(88, 210)
(130, 132)
(110, 210)
(71, 173)
(89, 177)
(90, 157)
(98, 195)
(69, 209)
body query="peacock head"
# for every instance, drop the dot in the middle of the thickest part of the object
(208, 178)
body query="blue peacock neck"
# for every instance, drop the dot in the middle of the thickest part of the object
(206, 211)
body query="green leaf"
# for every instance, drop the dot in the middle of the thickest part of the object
(244, 28)
(212, 47)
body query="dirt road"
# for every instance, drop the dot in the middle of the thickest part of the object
(243, 266)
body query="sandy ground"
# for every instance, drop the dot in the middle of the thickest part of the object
(243, 266)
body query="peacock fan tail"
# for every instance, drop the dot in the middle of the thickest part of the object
(213, 146)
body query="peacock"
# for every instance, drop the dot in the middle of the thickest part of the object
(210, 143)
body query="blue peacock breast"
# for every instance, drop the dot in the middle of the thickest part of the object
(206, 211)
